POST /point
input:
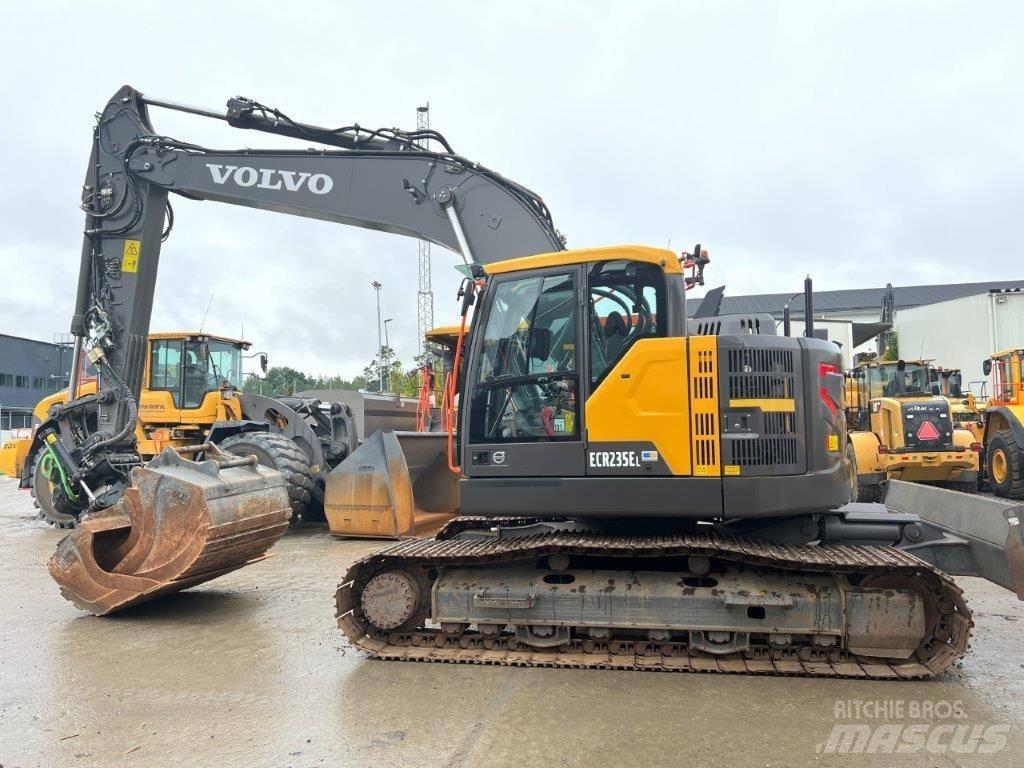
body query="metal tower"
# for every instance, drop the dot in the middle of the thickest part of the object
(425, 295)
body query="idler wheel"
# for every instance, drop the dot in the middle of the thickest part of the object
(390, 599)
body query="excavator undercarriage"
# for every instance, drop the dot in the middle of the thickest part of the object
(866, 591)
(543, 595)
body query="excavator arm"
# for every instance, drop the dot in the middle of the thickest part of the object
(378, 179)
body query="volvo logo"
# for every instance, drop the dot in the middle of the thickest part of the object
(498, 457)
(271, 178)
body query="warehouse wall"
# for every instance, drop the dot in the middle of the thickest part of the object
(961, 333)
(29, 371)
(1008, 319)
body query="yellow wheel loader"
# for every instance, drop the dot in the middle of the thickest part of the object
(966, 411)
(637, 489)
(899, 430)
(1004, 424)
(192, 392)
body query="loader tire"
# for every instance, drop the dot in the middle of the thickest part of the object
(1005, 465)
(45, 500)
(278, 452)
(861, 491)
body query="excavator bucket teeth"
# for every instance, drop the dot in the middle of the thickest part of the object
(179, 524)
(396, 484)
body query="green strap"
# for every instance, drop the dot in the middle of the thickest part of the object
(51, 462)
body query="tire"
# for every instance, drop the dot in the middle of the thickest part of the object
(49, 508)
(278, 452)
(851, 471)
(859, 490)
(1005, 465)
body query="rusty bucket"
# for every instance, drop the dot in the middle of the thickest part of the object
(179, 524)
(396, 484)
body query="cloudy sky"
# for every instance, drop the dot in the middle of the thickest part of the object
(859, 142)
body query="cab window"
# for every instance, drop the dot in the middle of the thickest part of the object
(526, 384)
(165, 367)
(624, 301)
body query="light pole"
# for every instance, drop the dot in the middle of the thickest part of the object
(380, 346)
(387, 346)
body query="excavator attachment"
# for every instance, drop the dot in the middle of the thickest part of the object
(179, 524)
(396, 484)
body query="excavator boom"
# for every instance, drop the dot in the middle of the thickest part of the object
(383, 179)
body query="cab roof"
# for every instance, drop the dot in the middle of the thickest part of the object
(661, 257)
(444, 333)
(881, 363)
(163, 335)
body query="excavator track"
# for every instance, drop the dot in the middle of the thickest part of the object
(417, 563)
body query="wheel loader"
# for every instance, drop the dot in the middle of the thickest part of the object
(192, 392)
(900, 430)
(964, 408)
(637, 489)
(1004, 424)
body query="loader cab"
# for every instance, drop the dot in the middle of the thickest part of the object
(1004, 368)
(191, 372)
(1004, 424)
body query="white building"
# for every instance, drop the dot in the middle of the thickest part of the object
(961, 333)
(956, 325)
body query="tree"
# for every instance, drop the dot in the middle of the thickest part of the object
(892, 347)
(280, 380)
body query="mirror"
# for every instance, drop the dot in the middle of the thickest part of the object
(987, 367)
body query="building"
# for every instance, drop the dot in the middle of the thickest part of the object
(961, 333)
(29, 371)
(852, 318)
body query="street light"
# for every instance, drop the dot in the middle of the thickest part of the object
(387, 346)
(380, 347)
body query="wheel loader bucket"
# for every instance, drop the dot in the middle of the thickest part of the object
(179, 524)
(396, 484)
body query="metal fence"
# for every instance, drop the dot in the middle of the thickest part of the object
(15, 418)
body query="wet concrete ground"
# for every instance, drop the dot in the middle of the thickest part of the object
(250, 670)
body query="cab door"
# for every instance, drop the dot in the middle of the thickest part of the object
(522, 413)
(637, 407)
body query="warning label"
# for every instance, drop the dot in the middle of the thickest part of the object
(130, 257)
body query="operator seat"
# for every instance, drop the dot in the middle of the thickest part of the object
(614, 335)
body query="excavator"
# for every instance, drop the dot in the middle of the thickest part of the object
(636, 489)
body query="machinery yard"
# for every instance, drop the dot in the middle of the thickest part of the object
(251, 669)
(647, 386)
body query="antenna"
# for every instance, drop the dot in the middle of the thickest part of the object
(210, 302)
(425, 292)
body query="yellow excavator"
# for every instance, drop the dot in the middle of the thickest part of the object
(900, 430)
(636, 488)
